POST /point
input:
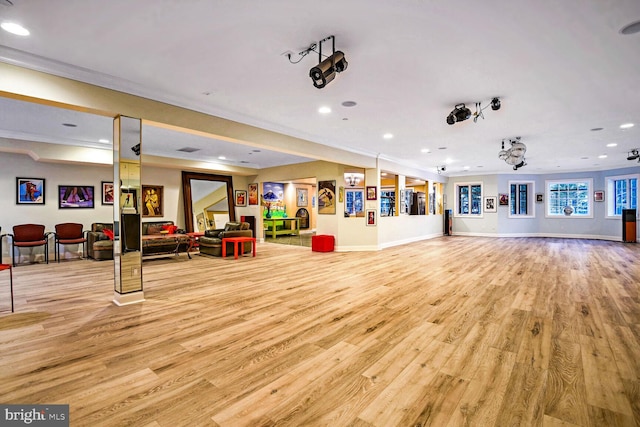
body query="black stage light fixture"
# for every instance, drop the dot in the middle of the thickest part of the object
(459, 114)
(136, 149)
(634, 154)
(519, 165)
(325, 72)
(495, 104)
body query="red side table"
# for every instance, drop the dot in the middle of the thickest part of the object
(237, 241)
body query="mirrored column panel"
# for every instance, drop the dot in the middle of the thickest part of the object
(127, 252)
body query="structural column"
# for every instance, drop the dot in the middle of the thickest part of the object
(127, 252)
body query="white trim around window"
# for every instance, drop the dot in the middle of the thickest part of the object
(611, 198)
(578, 191)
(529, 202)
(471, 204)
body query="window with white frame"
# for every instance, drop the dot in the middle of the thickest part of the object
(354, 202)
(569, 198)
(521, 199)
(622, 193)
(469, 199)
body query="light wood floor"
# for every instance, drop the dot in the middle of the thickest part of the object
(447, 332)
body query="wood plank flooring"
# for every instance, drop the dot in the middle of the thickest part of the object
(452, 331)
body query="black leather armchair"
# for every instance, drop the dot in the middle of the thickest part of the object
(211, 242)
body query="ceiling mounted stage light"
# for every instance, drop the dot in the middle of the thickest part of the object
(324, 73)
(514, 155)
(459, 114)
(633, 155)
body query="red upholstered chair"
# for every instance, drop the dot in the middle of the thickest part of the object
(8, 267)
(69, 233)
(29, 236)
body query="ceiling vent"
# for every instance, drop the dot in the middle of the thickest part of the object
(188, 149)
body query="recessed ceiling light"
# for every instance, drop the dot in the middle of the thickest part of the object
(425, 150)
(104, 141)
(466, 168)
(626, 126)
(602, 156)
(480, 166)
(387, 136)
(256, 151)
(324, 110)
(612, 144)
(632, 28)
(345, 118)
(596, 129)
(584, 158)
(13, 28)
(70, 125)
(349, 103)
(442, 148)
(222, 158)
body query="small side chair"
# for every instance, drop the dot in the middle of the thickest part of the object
(8, 267)
(69, 233)
(29, 236)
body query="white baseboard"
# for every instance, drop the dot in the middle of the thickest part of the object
(550, 235)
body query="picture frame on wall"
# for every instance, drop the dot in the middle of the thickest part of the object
(491, 204)
(371, 217)
(129, 200)
(152, 200)
(253, 194)
(107, 193)
(327, 197)
(302, 197)
(504, 199)
(241, 198)
(30, 191)
(598, 196)
(539, 198)
(372, 192)
(76, 197)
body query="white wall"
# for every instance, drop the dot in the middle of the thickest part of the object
(499, 224)
(23, 166)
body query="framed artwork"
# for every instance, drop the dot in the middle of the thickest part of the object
(129, 200)
(253, 194)
(504, 199)
(372, 193)
(539, 198)
(491, 204)
(327, 197)
(200, 222)
(302, 197)
(241, 198)
(152, 200)
(598, 196)
(30, 191)
(341, 194)
(75, 197)
(107, 193)
(371, 217)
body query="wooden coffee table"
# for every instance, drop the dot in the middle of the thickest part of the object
(237, 241)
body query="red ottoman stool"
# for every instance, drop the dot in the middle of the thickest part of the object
(322, 243)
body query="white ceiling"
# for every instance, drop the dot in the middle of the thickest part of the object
(560, 68)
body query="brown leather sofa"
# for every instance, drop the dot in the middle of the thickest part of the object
(211, 242)
(99, 245)
(175, 243)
